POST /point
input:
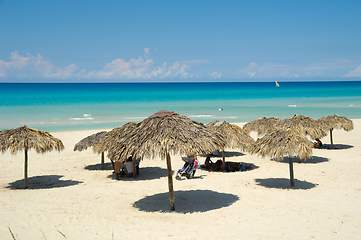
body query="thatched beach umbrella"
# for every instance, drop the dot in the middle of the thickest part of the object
(283, 142)
(25, 138)
(335, 122)
(165, 133)
(110, 140)
(91, 141)
(304, 125)
(261, 125)
(234, 136)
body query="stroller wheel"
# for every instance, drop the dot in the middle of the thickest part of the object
(191, 175)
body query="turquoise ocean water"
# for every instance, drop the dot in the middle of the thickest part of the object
(78, 106)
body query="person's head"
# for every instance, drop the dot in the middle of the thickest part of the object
(129, 159)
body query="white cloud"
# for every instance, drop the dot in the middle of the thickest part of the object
(178, 69)
(119, 68)
(140, 69)
(216, 75)
(30, 66)
(146, 54)
(329, 68)
(354, 73)
(251, 74)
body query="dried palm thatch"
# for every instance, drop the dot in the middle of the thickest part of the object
(165, 133)
(304, 125)
(330, 123)
(283, 142)
(234, 135)
(112, 137)
(261, 125)
(91, 141)
(25, 138)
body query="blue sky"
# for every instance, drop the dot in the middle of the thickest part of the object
(141, 41)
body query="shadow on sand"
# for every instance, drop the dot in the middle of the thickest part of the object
(253, 167)
(43, 182)
(98, 167)
(227, 154)
(186, 201)
(313, 160)
(336, 147)
(145, 173)
(284, 183)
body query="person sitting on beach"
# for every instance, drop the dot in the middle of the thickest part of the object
(317, 144)
(127, 168)
(237, 166)
(211, 166)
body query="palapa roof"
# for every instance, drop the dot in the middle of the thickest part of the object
(167, 133)
(261, 125)
(112, 137)
(336, 122)
(234, 135)
(304, 125)
(89, 141)
(283, 142)
(21, 138)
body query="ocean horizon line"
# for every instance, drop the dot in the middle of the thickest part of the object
(188, 82)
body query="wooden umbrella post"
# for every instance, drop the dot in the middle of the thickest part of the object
(102, 160)
(170, 183)
(134, 170)
(26, 168)
(291, 172)
(224, 159)
(331, 138)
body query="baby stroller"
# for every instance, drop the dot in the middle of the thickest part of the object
(189, 168)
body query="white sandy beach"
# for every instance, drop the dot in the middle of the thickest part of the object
(69, 197)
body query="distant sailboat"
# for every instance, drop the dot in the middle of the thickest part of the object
(277, 85)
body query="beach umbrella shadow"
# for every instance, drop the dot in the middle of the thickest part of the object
(283, 183)
(234, 154)
(97, 167)
(228, 154)
(43, 182)
(253, 167)
(187, 201)
(145, 173)
(313, 160)
(336, 147)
